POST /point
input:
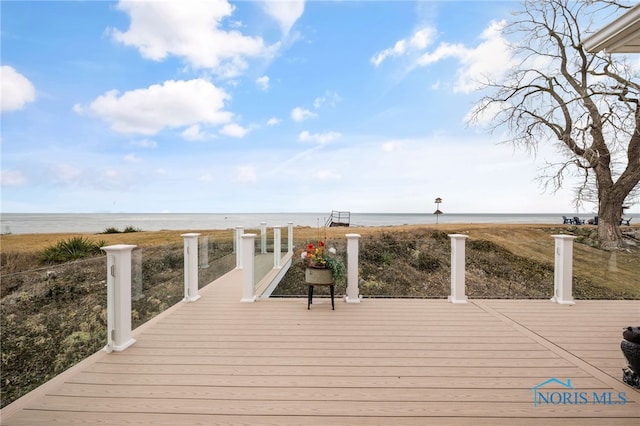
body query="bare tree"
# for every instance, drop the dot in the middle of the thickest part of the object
(587, 104)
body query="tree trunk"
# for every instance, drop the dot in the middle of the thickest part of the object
(609, 214)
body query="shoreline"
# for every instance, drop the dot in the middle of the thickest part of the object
(37, 241)
(13, 224)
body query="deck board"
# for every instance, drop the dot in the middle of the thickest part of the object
(383, 361)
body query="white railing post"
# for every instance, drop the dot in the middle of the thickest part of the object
(353, 292)
(190, 267)
(118, 297)
(277, 246)
(248, 270)
(290, 238)
(563, 271)
(457, 268)
(238, 246)
(263, 237)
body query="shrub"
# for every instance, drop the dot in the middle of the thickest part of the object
(111, 230)
(427, 263)
(173, 260)
(114, 230)
(71, 249)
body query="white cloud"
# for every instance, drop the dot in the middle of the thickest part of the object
(395, 177)
(16, 89)
(330, 98)
(422, 38)
(234, 130)
(245, 174)
(65, 173)
(111, 175)
(300, 114)
(326, 174)
(396, 50)
(191, 31)
(132, 158)
(273, 121)
(145, 143)
(443, 51)
(487, 60)
(12, 178)
(320, 138)
(417, 42)
(263, 82)
(193, 133)
(391, 146)
(490, 59)
(286, 13)
(206, 177)
(172, 104)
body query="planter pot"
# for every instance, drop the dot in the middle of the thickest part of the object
(318, 276)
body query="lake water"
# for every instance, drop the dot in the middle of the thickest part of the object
(38, 223)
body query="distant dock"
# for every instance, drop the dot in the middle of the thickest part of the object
(338, 218)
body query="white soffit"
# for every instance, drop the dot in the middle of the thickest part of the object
(620, 36)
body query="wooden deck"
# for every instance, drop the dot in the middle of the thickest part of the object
(380, 362)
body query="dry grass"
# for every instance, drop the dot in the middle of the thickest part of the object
(617, 270)
(510, 261)
(34, 242)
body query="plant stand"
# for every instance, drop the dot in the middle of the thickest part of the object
(318, 276)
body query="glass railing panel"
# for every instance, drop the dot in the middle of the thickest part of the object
(157, 280)
(293, 283)
(418, 265)
(262, 266)
(604, 274)
(496, 267)
(285, 240)
(265, 248)
(384, 267)
(512, 264)
(51, 318)
(216, 257)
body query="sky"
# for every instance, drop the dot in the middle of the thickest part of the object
(277, 106)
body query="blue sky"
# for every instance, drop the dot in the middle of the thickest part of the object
(256, 107)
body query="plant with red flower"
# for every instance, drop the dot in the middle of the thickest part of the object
(317, 256)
